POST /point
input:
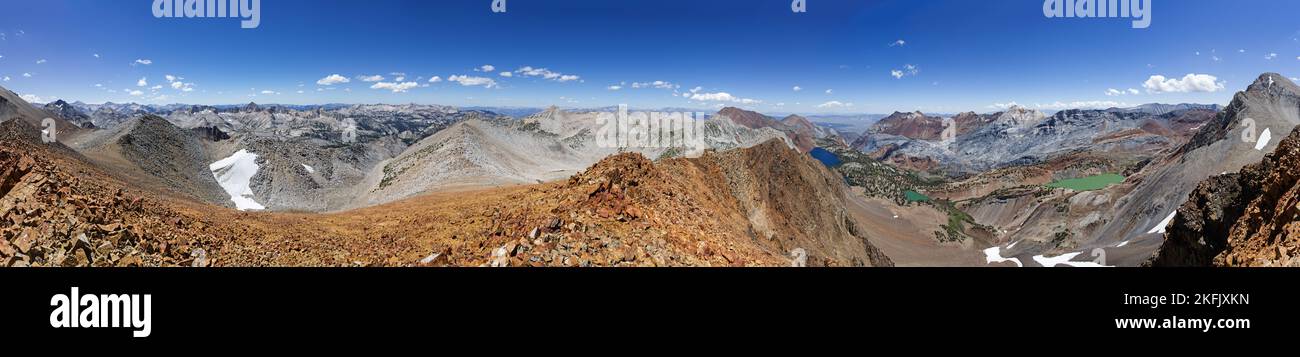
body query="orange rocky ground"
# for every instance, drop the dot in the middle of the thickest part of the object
(58, 210)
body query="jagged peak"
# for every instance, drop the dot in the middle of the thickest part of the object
(1274, 83)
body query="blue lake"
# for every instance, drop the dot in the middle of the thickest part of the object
(826, 157)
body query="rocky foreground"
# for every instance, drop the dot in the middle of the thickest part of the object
(1251, 218)
(58, 211)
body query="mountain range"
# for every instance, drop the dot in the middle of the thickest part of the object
(379, 184)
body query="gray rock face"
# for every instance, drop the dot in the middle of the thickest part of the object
(547, 146)
(1021, 136)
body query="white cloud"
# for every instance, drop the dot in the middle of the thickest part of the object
(142, 61)
(1004, 106)
(27, 75)
(136, 93)
(40, 61)
(697, 89)
(899, 43)
(908, 70)
(332, 80)
(6, 78)
(721, 97)
(401, 87)
(374, 78)
(1091, 104)
(178, 85)
(1112, 92)
(96, 55)
(435, 79)
(31, 98)
(655, 84)
(507, 74)
(614, 87)
(830, 91)
(156, 87)
(270, 92)
(1190, 83)
(485, 68)
(546, 73)
(797, 88)
(469, 81)
(1271, 56)
(143, 82)
(835, 104)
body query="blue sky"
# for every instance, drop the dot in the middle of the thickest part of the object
(956, 55)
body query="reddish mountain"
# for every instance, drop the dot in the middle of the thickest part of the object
(969, 121)
(912, 125)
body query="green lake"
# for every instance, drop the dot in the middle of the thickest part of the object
(1090, 183)
(913, 196)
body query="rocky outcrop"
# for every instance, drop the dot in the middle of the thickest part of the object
(1251, 218)
(747, 207)
(55, 210)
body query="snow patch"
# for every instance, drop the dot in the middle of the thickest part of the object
(994, 255)
(309, 169)
(1263, 140)
(1160, 228)
(234, 173)
(1065, 259)
(1122, 244)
